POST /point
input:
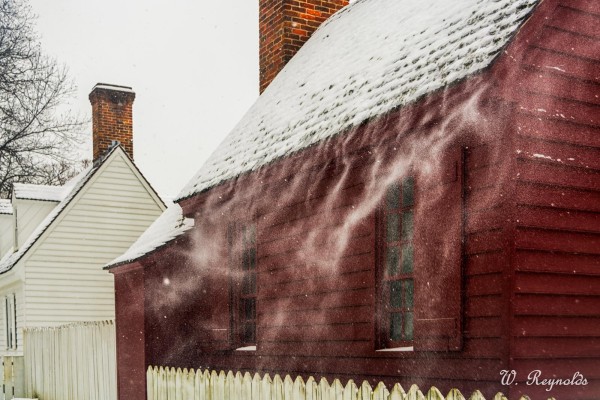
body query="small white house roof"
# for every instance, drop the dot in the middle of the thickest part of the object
(5, 206)
(166, 228)
(369, 58)
(8, 262)
(28, 191)
(71, 189)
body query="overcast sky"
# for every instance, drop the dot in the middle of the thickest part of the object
(192, 63)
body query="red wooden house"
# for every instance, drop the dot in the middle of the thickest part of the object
(415, 198)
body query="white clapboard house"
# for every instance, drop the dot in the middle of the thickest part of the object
(54, 240)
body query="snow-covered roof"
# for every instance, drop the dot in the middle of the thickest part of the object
(369, 58)
(74, 186)
(71, 188)
(28, 191)
(166, 228)
(6, 206)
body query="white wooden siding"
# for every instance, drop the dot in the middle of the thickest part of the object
(30, 213)
(7, 233)
(64, 278)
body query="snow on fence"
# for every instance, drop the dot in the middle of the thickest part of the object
(177, 384)
(71, 362)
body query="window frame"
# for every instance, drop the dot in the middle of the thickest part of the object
(10, 321)
(384, 281)
(241, 238)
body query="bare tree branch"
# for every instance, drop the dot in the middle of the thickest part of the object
(36, 144)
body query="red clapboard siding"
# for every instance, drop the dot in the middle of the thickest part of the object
(564, 153)
(571, 43)
(574, 20)
(560, 219)
(483, 242)
(540, 261)
(554, 305)
(359, 297)
(357, 348)
(590, 6)
(314, 333)
(362, 313)
(316, 245)
(572, 242)
(557, 130)
(320, 220)
(484, 306)
(551, 82)
(562, 367)
(558, 109)
(488, 154)
(485, 220)
(481, 285)
(486, 263)
(483, 327)
(563, 64)
(560, 284)
(319, 284)
(552, 173)
(551, 196)
(481, 178)
(297, 210)
(483, 347)
(555, 347)
(484, 198)
(297, 271)
(557, 326)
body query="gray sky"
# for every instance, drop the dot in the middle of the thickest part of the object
(192, 63)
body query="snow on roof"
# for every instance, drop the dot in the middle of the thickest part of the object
(8, 262)
(28, 191)
(5, 206)
(367, 59)
(166, 228)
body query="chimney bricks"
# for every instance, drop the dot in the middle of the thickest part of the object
(112, 118)
(284, 26)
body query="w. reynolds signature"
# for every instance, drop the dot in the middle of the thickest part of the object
(535, 378)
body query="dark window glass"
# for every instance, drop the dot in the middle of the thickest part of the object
(393, 197)
(407, 259)
(393, 223)
(408, 192)
(392, 260)
(396, 294)
(396, 326)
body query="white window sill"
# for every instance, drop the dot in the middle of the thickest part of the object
(247, 348)
(397, 349)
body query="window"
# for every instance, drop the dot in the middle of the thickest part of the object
(396, 261)
(242, 256)
(10, 318)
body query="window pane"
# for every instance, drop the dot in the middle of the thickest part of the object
(246, 285)
(396, 294)
(408, 192)
(395, 326)
(393, 197)
(407, 225)
(249, 333)
(391, 260)
(393, 223)
(407, 258)
(408, 289)
(408, 326)
(250, 309)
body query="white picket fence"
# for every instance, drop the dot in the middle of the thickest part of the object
(71, 362)
(177, 384)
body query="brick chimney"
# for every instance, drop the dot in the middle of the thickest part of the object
(284, 26)
(112, 118)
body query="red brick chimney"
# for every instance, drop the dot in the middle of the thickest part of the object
(284, 26)
(112, 118)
